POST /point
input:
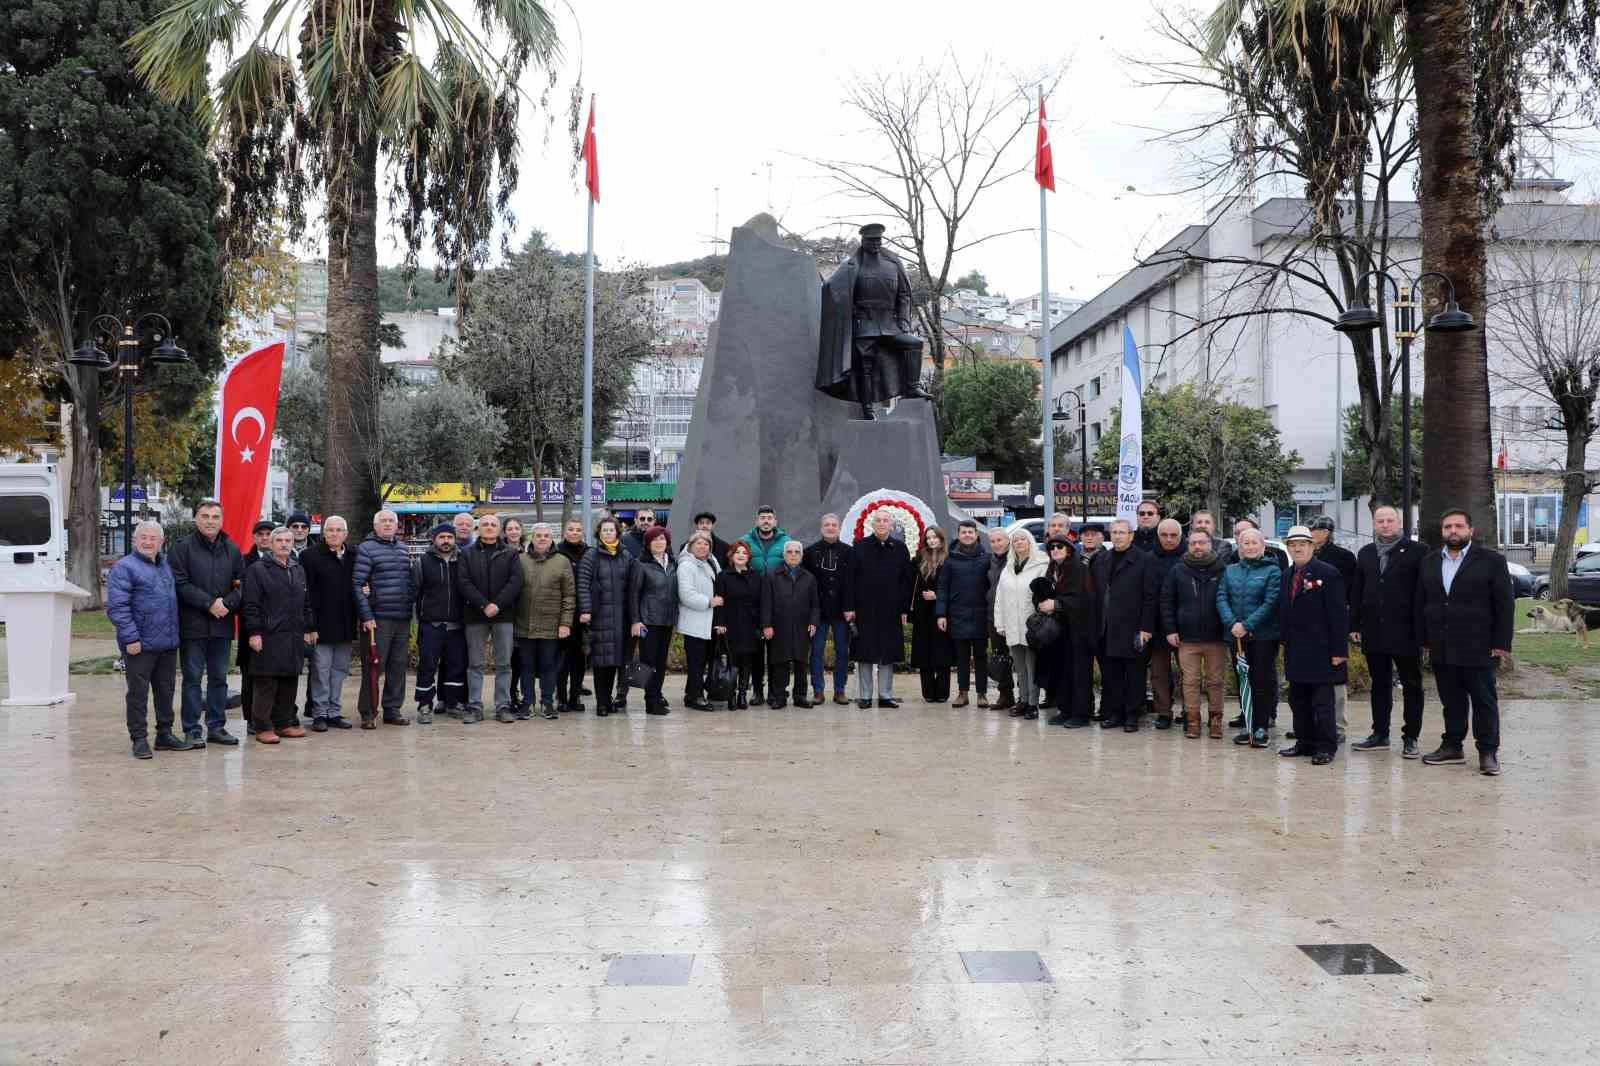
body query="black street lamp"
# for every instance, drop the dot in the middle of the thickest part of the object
(1083, 445)
(128, 364)
(1361, 318)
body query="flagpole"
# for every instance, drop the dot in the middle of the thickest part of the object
(586, 465)
(1047, 400)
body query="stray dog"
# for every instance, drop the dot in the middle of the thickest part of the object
(1562, 616)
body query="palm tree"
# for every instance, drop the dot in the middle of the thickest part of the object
(325, 96)
(1470, 61)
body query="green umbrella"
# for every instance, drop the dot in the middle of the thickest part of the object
(1242, 664)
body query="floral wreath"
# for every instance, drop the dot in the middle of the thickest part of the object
(909, 513)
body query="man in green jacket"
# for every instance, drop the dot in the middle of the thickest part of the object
(544, 615)
(766, 540)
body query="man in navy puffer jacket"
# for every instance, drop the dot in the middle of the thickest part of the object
(384, 598)
(142, 602)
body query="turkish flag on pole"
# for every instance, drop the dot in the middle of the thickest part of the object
(591, 157)
(244, 438)
(1500, 459)
(1044, 167)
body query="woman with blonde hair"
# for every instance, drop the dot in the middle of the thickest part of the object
(1013, 604)
(933, 650)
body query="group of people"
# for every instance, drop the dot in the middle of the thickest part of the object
(1156, 605)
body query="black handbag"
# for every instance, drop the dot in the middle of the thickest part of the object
(638, 673)
(1000, 667)
(723, 677)
(1043, 630)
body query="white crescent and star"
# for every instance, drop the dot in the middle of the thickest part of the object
(247, 414)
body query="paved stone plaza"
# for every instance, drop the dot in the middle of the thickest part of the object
(828, 886)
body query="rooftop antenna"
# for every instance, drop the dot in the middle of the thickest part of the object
(1536, 143)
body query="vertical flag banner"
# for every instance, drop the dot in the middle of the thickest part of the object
(245, 421)
(1130, 465)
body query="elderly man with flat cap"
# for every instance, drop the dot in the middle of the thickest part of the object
(867, 353)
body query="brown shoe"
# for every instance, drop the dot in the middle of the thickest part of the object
(266, 737)
(1215, 724)
(983, 701)
(291, 731)
(1004, 703)
(1191, 726)
(960, 701)
(369, 723)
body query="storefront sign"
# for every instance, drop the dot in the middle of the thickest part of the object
(1102, 496)
(553, 490)
(1314, 494)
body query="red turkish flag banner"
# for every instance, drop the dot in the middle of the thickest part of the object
(591, 157)
(1044, 167)
(1500, 459)
(244, 438)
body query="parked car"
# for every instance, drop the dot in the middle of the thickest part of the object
(1522, 579)
(1583, 581)
(1586, 549)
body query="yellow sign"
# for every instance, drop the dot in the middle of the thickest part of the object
(444, 492)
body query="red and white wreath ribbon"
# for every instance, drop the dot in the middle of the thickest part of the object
(909, 513)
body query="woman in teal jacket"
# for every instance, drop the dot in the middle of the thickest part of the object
(1247, 600)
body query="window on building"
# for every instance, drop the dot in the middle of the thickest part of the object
(1094, 433)
(1094, 387)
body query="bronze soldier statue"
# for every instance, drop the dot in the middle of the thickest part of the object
(867, 352)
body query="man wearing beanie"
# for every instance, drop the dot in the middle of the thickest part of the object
(441, 637)
(300, 527)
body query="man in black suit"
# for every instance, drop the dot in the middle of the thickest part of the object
(1383, 620)
(1125, 586)
(1464, 619)
(1316, 641)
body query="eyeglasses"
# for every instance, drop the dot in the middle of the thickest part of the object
(1147, 514)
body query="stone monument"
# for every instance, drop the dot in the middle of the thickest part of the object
(763, 433)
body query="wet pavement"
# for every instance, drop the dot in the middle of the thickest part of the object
(922, 885)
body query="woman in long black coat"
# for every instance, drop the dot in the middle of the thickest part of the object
(738, 620)
(1065, 579)
(276, 613)
(603, 608)
(933, 651)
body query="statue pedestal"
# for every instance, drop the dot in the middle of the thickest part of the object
(898, 451)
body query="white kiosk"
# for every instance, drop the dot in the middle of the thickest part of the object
(34, 590)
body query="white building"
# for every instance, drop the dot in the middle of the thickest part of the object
(685, 309)
(648, 439)
(1292, 366)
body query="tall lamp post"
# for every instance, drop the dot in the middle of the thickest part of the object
(1083, 445)
(128, 365)
(1361, 318)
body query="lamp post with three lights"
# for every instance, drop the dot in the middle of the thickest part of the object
(128, 364)
(1361, 318)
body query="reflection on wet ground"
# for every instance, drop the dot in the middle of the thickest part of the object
(792, 887)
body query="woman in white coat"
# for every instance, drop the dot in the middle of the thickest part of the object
(1013, 603)
(697, 599)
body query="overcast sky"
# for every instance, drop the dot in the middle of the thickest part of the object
(698, 97)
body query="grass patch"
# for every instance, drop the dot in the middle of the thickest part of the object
(99, 664)
(1557, 652)
(92, 624)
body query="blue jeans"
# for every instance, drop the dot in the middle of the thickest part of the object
(207, 656)
(841, 654)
